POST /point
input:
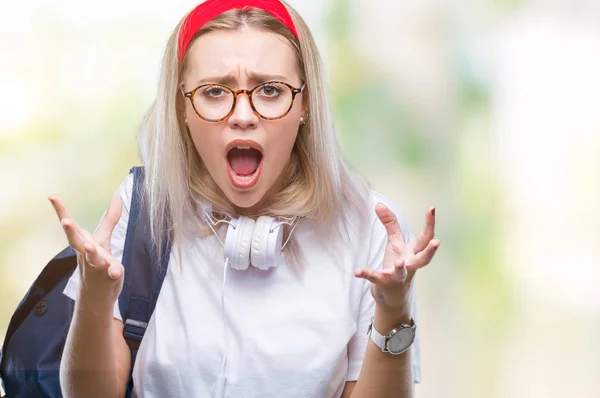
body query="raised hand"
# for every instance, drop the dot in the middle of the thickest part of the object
(391, 286)
(101, 275)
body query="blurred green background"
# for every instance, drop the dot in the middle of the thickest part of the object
(487, 109)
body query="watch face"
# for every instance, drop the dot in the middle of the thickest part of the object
(400, 341)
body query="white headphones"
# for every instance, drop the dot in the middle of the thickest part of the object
(247, 242)
(252, 242)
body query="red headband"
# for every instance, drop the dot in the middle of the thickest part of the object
(210, 9)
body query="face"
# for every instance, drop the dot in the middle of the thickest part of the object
(244, 153)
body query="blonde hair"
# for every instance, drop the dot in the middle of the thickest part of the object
(318, 185)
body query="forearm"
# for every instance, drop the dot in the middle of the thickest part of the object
(382, 374)
(88, 367)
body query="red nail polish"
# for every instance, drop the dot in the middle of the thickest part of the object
(433, 211)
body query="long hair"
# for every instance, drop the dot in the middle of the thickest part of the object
(319, 186)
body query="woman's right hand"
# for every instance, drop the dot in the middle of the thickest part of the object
(100, 274)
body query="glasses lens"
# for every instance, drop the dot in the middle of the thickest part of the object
(213, 101)
(272, 100)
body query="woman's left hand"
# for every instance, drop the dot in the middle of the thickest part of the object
(391, 286)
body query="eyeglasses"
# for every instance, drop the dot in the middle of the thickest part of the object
(216, 102)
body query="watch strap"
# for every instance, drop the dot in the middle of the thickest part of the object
(380, 340)
(377, 337)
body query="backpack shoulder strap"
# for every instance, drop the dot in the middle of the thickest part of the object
(144, 269)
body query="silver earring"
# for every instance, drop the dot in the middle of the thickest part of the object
(301, 119)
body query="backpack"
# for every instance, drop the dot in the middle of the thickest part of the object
(33, 345)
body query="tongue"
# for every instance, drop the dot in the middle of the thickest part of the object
(244, 162)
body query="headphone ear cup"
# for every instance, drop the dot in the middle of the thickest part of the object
(238, 242)
(266, 243)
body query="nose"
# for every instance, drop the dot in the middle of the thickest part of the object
(243, 116)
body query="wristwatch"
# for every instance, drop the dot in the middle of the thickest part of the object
(398, 341)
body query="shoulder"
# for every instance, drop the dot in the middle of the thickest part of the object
(124, 192)
(125, 189)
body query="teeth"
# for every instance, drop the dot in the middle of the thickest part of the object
(243, 147)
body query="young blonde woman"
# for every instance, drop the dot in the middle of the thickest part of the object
(314, 297)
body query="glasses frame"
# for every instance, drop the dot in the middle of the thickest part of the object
(190, 95)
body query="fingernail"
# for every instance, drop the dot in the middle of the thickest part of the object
(433, 211)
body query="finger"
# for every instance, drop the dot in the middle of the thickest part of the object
(71, 228)
(59, 207)
(424, 257)
(390, 222)
(371, 275)
(89, 239)
(396, 273)
(400, 271)
(115, 270)
(111, 218)
(73, 236)
(428, 231)
(87, 236)
(93, 255)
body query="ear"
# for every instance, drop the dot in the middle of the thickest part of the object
(305, 102)
(180, 106)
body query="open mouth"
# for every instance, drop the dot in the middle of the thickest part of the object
(244, 164)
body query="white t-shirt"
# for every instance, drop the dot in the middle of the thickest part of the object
(290, 333)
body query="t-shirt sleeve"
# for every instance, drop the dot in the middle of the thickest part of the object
(366, 309)
(117, 242)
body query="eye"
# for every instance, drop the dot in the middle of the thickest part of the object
(214, 92)
(270, 90)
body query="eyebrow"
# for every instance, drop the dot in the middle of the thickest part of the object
(232, 79)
